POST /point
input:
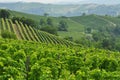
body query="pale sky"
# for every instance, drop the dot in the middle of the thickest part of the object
(67, 1)
(42, 1)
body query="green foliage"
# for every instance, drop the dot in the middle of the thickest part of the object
(47, 26)
(62, 26)
(49, 29)
(7, 34)
(49, 22)
(83, 14)
(15, 19)
(42, 22)
(69, 38)
(109, 65)
(46, 14)
(117, 30)
(26, 21)
(4, 13)
(19, 55)
(23, 60)
(108, 44)
(88, 30)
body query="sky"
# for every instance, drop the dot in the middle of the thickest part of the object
(67, 1)
(42, 1)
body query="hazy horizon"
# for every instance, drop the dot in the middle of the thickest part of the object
(66, 1)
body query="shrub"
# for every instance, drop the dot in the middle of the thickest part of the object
(4, 13)
(7, 34)
(49, 29)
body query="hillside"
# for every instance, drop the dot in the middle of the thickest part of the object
(72, 25)
(94, 21)
(87, 30)
(78, 24)
(24, 32)
(64, 9)
(21, 14)
(112, 19)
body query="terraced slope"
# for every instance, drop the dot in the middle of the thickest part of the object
(24, 32)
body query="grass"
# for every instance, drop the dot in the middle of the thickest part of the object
(31, 16)
(115, 20)
(92, 21)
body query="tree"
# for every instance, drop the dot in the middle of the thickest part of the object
(49, 29)
(15, 18)
(69, 38)
(88, 30)
(50, 22)
(4, 14)
(26, 21)
(108, 44)
(109, 64)
(42, 22)
(62, 26)
(46, 14)
(29, 22)
(97, 36)
(83, 14)
(117, 30)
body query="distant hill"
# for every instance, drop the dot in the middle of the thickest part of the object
(63, 9)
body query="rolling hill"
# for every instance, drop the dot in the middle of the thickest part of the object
(77, 24)
(101, 27)
(71, 30)
(94, 21)
(63, 10)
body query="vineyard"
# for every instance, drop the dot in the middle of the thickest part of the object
(36, 55)
(28, 60)
(28, 33)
